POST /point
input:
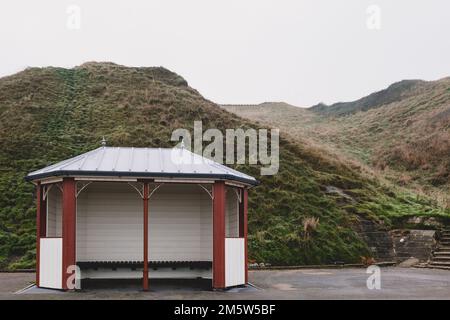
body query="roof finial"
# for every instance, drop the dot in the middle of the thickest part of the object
(103, 141)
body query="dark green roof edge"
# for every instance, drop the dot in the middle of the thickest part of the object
(140, 174)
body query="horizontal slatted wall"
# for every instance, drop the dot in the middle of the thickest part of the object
(109, 223)
(232, 214)
(110, 216)
(54, 212)
(180, 224)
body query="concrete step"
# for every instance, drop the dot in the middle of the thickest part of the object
(442, 253)
(440, 263)
(440, 258)
(438, 267)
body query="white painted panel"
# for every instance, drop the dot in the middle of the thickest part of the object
(50, 271)
(231, 214)
(54, 212)
(234, 261)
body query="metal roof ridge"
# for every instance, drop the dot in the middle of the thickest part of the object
(229, 170)
(65, 163)
(160, 160)
(116, 159)
(147, 159)
(221, 167)
(131, 159)
(99, 162)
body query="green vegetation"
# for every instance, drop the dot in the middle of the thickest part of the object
(395, 92)
(50, 114)
(400, 134)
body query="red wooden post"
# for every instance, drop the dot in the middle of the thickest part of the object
(245, 228)
(43, 214)
(219, 235)
(68, 228)
(38, 229)
(145, 270)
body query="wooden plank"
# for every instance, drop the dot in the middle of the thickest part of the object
(38, 230)
(69, 229)
(245, 231)
(219, 235)
(145, 270)
(234, 262)
(50, 255)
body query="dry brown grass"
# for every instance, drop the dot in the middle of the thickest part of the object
(310, 224)
(367, 261)
(406, 142)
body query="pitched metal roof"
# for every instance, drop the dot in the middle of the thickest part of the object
(141, 162)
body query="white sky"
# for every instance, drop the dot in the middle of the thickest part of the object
(240, 51)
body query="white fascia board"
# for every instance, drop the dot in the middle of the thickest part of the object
(51, 180)
(235, 184)
(183, 181)
(106, 179)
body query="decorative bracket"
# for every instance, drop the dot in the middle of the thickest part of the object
(238, 194)
(46, 189)
(82, 186)
(59, 185)
(141, 192)
(210, 193)
(152, 191)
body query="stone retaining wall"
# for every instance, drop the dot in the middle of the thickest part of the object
(397, 245)
(413, 243)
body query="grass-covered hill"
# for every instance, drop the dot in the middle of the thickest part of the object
(395, 92)
(49, 114)
(401, 133)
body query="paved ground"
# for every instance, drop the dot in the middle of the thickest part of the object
(396, 283)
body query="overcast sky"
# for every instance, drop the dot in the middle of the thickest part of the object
(243, 51)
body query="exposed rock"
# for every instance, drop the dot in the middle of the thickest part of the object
(425, 221)
(432, 222)
(339, 192)
(415, 220)
(409, 262)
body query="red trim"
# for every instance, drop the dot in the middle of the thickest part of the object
(145, 270)
(219, 235)
(68, 227)
(43, 214)
(245, 229)
(38, 229)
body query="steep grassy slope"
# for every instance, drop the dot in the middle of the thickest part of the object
(395, 92)
(403, 134)
(50, 114)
